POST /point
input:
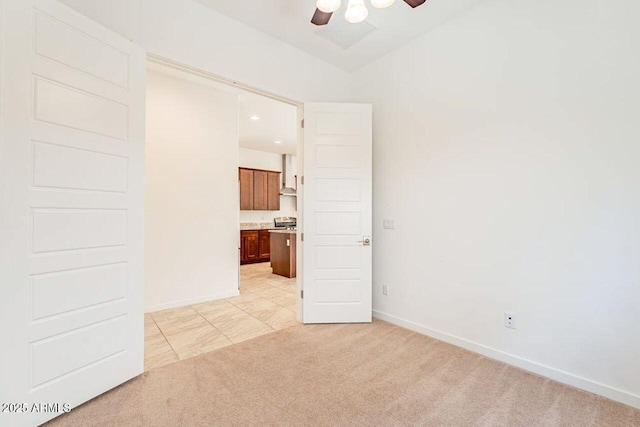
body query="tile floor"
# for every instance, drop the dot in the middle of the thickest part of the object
(267, 303)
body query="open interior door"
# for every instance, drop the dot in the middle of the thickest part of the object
(337, 207)
(71, 210)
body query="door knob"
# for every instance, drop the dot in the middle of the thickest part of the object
(366, 241)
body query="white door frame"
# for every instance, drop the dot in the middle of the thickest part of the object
(178, 66)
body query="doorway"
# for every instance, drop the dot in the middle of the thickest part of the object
(268, 209)
(200, 132)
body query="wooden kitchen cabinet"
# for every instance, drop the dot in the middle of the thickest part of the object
(265, 245)
(246, 189)
(255, 246)
(273, 191)
(249, 247)
(283, 253)
(259, 190)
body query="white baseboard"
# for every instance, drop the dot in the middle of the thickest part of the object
(190, 301)
(528, 365)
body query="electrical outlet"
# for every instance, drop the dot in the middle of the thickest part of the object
(510, 320)
(385, 290)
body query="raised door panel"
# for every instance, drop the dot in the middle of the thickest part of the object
(260, 190)
(249, 246)
(252, 247)
(246, 189)
(243, 249)
(273, 191)
(265, 245)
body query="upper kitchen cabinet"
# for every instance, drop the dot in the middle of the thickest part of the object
(246, 189)
(259, 190)
(273, 191)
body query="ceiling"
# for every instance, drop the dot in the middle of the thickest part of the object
(277, 123)
(289, 21)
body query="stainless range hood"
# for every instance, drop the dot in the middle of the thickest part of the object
(289, 184)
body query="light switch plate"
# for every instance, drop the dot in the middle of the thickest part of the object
(389, 224)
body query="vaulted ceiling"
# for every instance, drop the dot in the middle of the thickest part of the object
(347, 46)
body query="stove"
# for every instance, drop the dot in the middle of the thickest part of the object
(287, 222)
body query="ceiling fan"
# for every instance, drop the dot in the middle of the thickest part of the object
(356, 11)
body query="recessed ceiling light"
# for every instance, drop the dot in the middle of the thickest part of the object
(255, 118)
(277, 142)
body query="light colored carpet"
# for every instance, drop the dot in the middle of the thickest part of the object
(346, 375)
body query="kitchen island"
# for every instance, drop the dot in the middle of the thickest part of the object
(283, 252)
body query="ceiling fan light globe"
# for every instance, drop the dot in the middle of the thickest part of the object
(356, 11)
(329, 6)
(381, 4)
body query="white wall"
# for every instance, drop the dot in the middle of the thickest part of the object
(507, 145)
(254, 159)
(506, 149)
(191, 193)
(190, 33)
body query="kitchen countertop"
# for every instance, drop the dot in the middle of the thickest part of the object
(283, 231)
(246, 226)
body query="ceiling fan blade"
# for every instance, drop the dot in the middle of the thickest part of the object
(415, 3)
(321, 18)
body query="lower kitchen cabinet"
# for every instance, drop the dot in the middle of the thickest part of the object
(265, 245)
(255, 246)
(283, 249)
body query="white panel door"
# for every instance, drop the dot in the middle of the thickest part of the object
(71, 210)
(336, 223)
